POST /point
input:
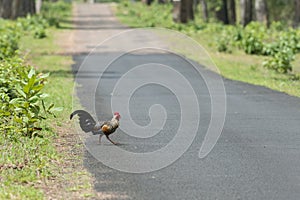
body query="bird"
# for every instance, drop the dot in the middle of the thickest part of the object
(88, 124)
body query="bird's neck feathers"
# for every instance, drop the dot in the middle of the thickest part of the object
(115, 121)
(116, 117)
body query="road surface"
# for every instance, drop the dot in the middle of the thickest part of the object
(256, 157)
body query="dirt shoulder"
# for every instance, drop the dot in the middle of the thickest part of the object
(91, 24)
(72, 180)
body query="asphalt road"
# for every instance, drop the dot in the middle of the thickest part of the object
(256, 157)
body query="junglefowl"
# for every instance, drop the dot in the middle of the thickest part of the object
(88, 124)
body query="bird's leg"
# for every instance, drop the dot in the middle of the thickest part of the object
(100, 138)
(111, 140)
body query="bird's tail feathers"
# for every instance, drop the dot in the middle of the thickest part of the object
(86, 121)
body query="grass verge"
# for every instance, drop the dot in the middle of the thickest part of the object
(235, 65)
(73, 180)
(49, 166)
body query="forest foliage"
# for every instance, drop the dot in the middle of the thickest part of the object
(22, 97)
(26, 147)
(276, 40)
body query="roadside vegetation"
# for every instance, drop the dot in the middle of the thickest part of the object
(39, 156)
(254, 53)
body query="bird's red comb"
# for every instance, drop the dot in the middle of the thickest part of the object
(116, 113)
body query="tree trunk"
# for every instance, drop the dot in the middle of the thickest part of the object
(29, 6)
(246, 11)
(5, 9)
(297, 13)
(261, 11)
(32, 7)
(183, 11)
(13, 9)
(148, 2)
(24, 8)
(191, 10)
(232, 12)
(195, 5)
(176, 11)
(38, 6)
(204, 10)
(186, 11)
(222, 14)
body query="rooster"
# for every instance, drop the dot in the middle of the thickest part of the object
(88, 124)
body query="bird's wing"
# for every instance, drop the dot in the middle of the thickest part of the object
(86, 121)
(111, 126)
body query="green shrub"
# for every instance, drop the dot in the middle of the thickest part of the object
(156, 15)
(10, 33)
(22, 106)
(283, 51)
(9, 39)
(223, 43)
(252, 44)
(253, 38)
(22, 100)
(30, 22)
(228, 37)
(53, 12)
(39, 32)
(280, 61)
(35, 24)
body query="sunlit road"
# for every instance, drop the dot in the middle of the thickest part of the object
(256, 157)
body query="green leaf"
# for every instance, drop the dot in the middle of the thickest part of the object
(33, 99)
(38, 88)
(6, 113)
(35, 110)
(43, 104)
(18, 120)
(57, 109)
(15, 101)
(31, 73)
(42, 76)
(27, 88)
(50, 107)
(21, 92)
(25, 119)
(44, 96)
